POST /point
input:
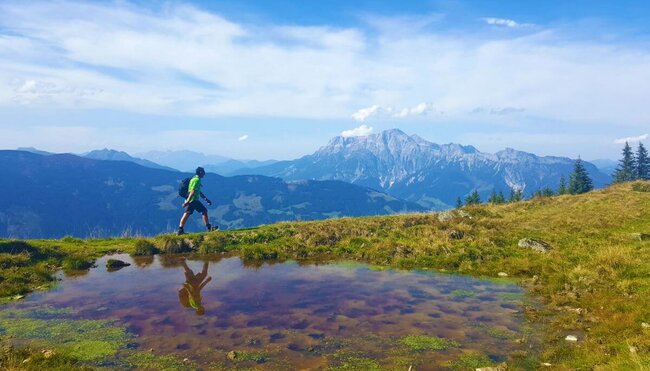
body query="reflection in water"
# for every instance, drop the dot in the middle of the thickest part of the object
(289, 315)
(190, 294)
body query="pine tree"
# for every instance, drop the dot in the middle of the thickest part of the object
(459, 203)
(579, 181)
(493, 197)
(562, 190)
(642, 163)
(516, 195)
(473, 198)
(547, 192)
(500, 198)
(625, 171)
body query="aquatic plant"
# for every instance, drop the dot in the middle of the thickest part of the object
(346, 360)
(425, 342)
(149, 361)
(462, 294)
(470, 361)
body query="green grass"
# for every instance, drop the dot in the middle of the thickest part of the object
(595, 280)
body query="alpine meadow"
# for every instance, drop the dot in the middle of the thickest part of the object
(324, 185)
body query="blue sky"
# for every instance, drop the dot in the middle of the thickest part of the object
(277, 79)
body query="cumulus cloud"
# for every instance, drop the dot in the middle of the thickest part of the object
(631, 139)
(361, 131)
(181, 60)
(504, 22)
(243, 138)
(391, 112)
(365, 113)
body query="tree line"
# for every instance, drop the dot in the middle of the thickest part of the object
(633, 166)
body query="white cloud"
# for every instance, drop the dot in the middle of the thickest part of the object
(242, 138)
(365, 113)
(361, 131)
(631, 139)
(503, 22)
(391, 112)
(180, 60)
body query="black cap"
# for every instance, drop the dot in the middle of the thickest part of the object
(200, 171)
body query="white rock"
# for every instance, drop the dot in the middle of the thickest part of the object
(546, 364)
(645, 325)
(571, 338)
(502, 274)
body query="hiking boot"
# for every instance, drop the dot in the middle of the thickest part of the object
(180, 231)
(211, 227)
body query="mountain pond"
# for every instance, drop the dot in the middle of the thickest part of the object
(219, 312)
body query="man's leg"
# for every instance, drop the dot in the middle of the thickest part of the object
(182, 223)
(206, 220)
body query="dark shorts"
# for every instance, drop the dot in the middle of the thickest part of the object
(195, 205)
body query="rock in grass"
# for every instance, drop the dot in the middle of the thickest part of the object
(645, 325)
(640, 236)
(115, 264)
(571, 338)
(232, 355)
(456, 235)
(536, 245)
(502, 274)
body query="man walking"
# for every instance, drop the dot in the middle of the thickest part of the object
(192, 202)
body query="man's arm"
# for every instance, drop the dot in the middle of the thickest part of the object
(189, 197)
(206, 199)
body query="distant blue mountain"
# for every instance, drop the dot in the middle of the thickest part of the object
(433, 175)
(63, 194)
(113, 155)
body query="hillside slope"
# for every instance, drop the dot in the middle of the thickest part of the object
(63, 194)
(594, 281)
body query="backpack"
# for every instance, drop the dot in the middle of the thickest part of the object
(184, 187)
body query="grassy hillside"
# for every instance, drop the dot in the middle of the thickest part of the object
(594, 282)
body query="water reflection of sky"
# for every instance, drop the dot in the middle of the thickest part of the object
(290, 309)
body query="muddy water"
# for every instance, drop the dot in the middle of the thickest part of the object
(296, 316)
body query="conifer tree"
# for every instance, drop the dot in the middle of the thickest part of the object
(579, 181)
(493, 197)
(500, 198)
(459, 203)
(642, 163)
(562, 190)
(473, 198)
(516, 195)
(625, 171)
(547, 192)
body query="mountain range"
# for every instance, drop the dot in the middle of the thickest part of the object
(189, 160)
(432, 175)
(52, 195)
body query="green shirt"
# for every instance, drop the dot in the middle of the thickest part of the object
(195, 185)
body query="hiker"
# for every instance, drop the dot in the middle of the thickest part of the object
(190, 294)
(192, 201)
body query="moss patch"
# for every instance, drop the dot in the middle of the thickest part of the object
(345, 360)
(470, 361)
(424, 342)
(86, 340)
